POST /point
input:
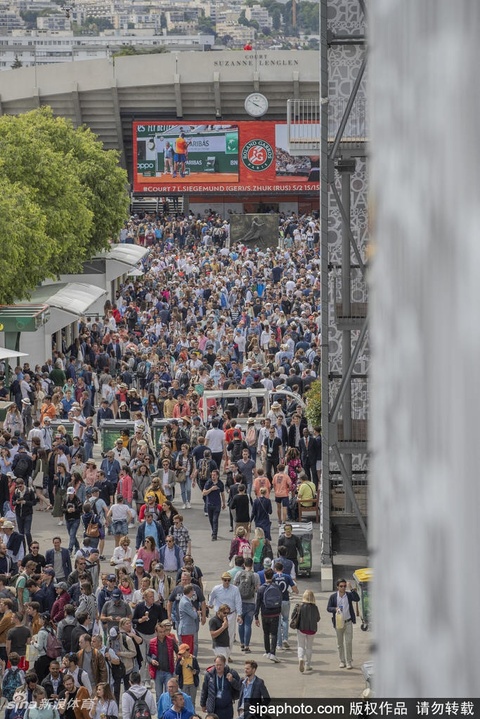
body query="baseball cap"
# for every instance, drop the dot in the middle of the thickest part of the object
(113, 632)
(116, 594)
(61, 585)
(71, 490)
(183, 648)
(267, 562)
(111, 578)
(139, 563)
(49, 572)
(158, 567)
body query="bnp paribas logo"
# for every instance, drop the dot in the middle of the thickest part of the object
(257, 155)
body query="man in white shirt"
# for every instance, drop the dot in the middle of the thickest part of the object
(215, 441)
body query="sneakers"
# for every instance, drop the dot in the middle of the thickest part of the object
(274, 658)
(349, 665)
(286, 645)
(247, 650)
(242, 647)
(184, 506)
(59, 524)
(308, 670)
(131, 525)
(266, 654)
(342, 665)
(206, 514)
(301, 666)
(189, 506)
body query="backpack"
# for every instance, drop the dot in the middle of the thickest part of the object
(272, 599)
(54, 646)
(204, 471)
(22, 467)
(67, 637)
(237, 450)
(267, 551)
(140, 708)
(244, 549)
(12, 679)
(142, 369)
(246, 585)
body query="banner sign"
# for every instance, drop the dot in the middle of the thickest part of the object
(246, 157)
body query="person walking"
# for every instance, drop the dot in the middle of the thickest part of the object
(340, 605)
(133, 695)
(214, 492)
(247, 582)
(269, 603)
(220, 689)
(253, 689)
(307, 626)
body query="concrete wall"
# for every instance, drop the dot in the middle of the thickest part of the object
(425, 311)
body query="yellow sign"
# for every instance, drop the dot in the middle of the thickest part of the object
(1, 327)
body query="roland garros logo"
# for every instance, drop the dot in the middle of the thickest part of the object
(257, 155)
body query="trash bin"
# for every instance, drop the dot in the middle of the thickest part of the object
(4, 407)
(304, 530)
(363, 577)
(157, 429)
(55, 423)
(110, 430)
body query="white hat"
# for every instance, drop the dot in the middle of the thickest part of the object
(8, 525)
(26, 401)
(70, 490)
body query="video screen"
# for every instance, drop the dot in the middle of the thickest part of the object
(182, 153)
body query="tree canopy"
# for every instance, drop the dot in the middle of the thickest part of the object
(62, 197)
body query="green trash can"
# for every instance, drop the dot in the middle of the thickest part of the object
(363, 578)
(304, 530)
(157, 429)
(55, 423)
(4, 407)
(110, 431)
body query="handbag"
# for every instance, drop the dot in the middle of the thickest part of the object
(32, 651)
(295, 618)
(92, 530)
(181, 475)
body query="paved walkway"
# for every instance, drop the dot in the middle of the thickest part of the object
(284, 679)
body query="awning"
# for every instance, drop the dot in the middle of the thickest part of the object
(10, 354)
(72, 297)
(135, 272)
(119, 259)
(128, 254)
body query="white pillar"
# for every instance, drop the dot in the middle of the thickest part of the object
(425, 307)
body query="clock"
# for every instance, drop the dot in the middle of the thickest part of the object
(256, 104)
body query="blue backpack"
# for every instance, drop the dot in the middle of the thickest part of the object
(12, 679)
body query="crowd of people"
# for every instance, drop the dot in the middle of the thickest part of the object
(78, 626)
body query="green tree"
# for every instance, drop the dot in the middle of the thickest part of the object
(16, 63)
(276, 19)
(74, 189)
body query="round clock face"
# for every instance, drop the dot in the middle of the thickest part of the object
(256, 104)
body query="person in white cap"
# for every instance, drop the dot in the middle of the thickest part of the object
(15, 542)
(27, 415)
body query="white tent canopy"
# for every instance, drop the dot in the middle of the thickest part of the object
(10, 354)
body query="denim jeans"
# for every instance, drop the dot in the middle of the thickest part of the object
(161, 679)
(213, 515)
(24, 525)
(282, 635)
(245, 629)
(186, 489)
(72, 529)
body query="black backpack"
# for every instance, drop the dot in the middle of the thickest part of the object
(67, 637)
(22, 467)
(142, 369)
(237, 450)
(272, 599)
(140, 708)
